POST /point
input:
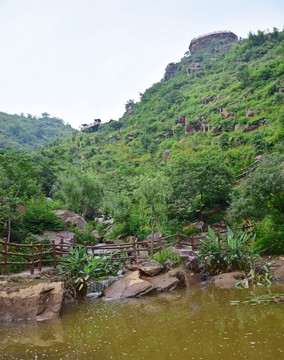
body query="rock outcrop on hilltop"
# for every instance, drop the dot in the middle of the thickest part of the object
(201, 41)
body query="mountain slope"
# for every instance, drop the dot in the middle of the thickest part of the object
(213, 113)
(30, 133)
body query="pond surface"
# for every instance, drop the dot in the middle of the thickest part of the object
(195, 323)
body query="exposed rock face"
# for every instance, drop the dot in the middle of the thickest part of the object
(185, 276)
(227, 280)
(150, 268)
(250, 113)
(166, 154)
(171, 70)
(250, 128)
(35, 302)
(69, 218)
(201, 41)
(225, 114)
(217, 130)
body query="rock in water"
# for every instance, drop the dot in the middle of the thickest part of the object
(129, 286)
(35, 302)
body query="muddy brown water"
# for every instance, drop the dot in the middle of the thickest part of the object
(195, 323)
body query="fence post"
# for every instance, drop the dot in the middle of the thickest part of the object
(192, 242)
(54, 254)
(61, 246)
(40, 256)
(32, 266)
(178, 241)
(134, 249)
(4, 256)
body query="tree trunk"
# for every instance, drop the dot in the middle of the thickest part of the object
(152, 235)
(9, 224)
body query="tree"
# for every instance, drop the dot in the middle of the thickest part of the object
(17, 180)
(78, 191)
(129, 105)
(262, 193)
(45, 115)
(199, 181)
(152, 194)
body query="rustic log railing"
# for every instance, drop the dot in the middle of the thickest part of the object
(36, 256)
(245, 172)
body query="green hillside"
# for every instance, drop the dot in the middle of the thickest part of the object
(30, 133)
(172, 158)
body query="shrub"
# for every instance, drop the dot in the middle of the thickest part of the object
(168, 253)
(40, 217)
(78, 267)
(270, 236)
(234, 252)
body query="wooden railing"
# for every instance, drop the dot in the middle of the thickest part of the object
(245, 172)
(36, 256)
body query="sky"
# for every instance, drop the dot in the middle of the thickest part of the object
(81, 60)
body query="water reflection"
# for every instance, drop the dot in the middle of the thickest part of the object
(194, 323)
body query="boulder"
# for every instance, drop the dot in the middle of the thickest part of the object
(166, 154)
(279, 272)
(157, 236)
(249, 113)
(185, 276)
(130, 285)
(225, 114)
(191, 261)
(227, 280)
(70, 218)
(97, 235)
(150, 268)
(67, 237)
(164, 282)
(32, 302)
(250, 128)
(217, 130)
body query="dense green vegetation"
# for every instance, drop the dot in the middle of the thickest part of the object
(30, 132)
(173, 156)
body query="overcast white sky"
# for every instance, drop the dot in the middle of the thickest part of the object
(83, 59)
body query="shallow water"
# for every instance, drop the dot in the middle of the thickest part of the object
(195, 323)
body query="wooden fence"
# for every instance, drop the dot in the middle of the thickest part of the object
(38, 254)
(245, 172)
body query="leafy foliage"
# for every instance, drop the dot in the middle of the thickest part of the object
(78, 267)
(168, 253)
(234, 252)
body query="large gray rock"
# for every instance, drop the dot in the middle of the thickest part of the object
(130, 285)
(69, 218)
(33, 302)
(150, 268)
